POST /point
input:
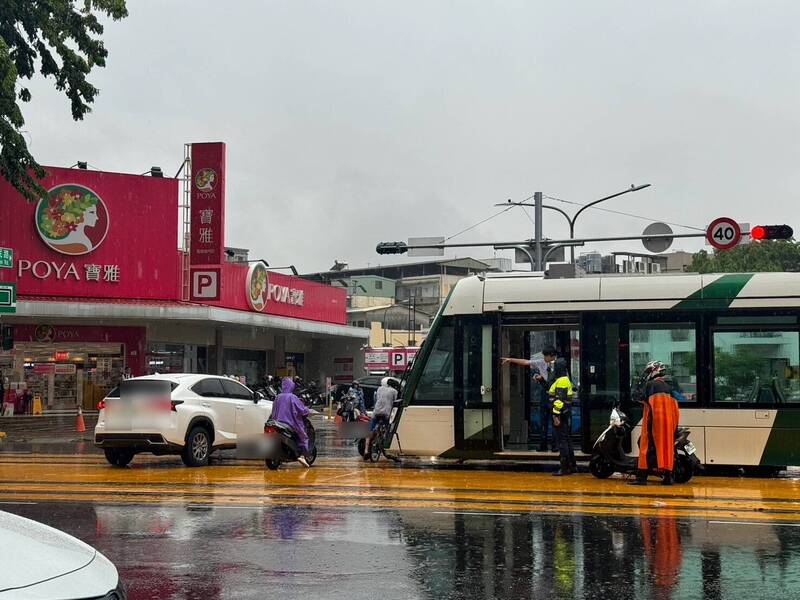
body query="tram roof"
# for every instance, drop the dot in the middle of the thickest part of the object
(530, 292)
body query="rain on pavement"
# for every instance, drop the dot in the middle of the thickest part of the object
(346, 529)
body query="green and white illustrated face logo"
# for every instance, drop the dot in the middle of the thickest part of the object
(205, 180)
(257, 287)
(72, 219)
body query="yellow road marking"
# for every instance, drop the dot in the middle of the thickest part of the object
(153, 480)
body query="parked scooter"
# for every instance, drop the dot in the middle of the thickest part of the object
(608, 456)
(283, 443)
(346, 409)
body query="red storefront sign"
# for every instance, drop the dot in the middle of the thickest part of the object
(343, 369)
(208, 204)
(281, 295)
(95, 235)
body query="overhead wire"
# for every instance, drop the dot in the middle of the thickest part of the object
(497, 214)
(573, 203)
(625, 214)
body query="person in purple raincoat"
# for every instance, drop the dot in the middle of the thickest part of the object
(288, 408)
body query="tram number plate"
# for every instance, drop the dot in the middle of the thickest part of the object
(690, 449)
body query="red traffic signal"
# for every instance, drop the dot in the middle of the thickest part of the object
(771, 232)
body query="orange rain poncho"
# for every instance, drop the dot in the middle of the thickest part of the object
(659, 422)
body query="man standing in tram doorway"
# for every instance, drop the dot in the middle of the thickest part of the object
(545, 382)
(659, 422)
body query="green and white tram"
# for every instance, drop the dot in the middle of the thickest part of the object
(732, 342)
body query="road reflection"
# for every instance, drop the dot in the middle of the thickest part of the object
(196, 551)
(469, 555)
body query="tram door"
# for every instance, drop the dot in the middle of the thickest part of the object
(525, 413)
(475, 390)
(603, 369)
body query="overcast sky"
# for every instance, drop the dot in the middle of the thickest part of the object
(353, 122)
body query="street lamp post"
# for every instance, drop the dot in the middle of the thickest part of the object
(570, 220)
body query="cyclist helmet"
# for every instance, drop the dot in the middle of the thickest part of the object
(653, 370)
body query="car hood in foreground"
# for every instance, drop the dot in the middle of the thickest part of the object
(36, 552)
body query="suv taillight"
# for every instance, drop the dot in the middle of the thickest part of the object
(101, 405)
(174, 403)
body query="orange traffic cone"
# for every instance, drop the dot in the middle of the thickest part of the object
(80, 426)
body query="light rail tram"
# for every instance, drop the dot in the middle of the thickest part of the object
(731, 341)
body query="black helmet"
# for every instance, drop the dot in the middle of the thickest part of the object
(560, 368)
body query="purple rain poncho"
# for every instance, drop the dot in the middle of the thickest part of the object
(288, 408)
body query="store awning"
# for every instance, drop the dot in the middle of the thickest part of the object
(76, 309)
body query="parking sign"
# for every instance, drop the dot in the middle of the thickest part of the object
(205, 284)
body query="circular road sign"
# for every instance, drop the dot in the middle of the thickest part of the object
(723, 233)
(659, 244)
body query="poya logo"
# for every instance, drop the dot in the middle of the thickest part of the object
(257, 286)
(72, 219)
(205, 180)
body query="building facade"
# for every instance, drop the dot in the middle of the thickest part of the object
(104, 290)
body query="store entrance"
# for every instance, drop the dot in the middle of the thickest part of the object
(64, 375)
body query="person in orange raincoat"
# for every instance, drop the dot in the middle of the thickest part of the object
(659, 422)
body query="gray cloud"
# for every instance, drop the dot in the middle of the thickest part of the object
(353, 122)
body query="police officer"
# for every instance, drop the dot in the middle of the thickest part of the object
(561, 394)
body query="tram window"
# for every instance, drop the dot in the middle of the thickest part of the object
(673, 344)
(435, 385)
(757, 367)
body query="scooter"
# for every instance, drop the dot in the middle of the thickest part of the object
(608, 456)
(282, 443)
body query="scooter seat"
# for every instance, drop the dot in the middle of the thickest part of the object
(282, 426)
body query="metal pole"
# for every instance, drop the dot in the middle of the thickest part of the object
(572, 237)
(537, 227)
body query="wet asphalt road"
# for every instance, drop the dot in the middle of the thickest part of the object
(349, 530)
(295, 552)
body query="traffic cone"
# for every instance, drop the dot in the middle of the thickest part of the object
(80, 426)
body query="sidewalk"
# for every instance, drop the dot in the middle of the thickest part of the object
(43, 429)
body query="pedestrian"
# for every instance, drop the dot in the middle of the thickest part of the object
(561, 393)
(358, 393)
(659, 422)
(544, 382)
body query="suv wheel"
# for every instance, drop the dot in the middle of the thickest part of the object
(197, 449)
(117, 457)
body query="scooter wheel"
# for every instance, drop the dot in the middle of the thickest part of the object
(682, 470)
(600, 467)
(312, 456)
(272, 464)
(362, 447)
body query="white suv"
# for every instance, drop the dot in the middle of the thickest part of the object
(204, 413)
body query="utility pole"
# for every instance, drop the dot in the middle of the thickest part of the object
(537, 229)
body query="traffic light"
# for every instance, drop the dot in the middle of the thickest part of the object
(7, 333)
(771, 232)
(392, 248)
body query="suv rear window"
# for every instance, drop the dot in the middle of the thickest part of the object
(115, 392)
(209, 388)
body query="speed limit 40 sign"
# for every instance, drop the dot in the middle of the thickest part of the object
(724, 233)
